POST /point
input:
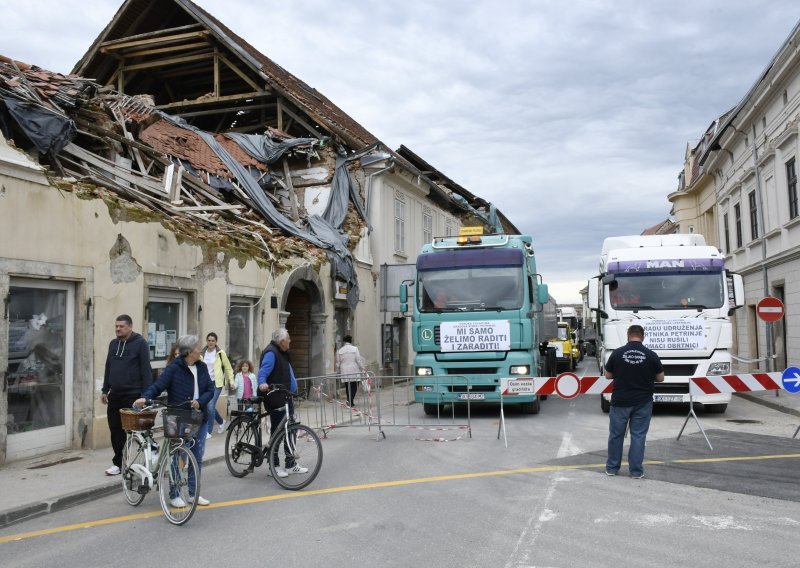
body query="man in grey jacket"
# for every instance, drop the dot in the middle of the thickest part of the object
(127, 374)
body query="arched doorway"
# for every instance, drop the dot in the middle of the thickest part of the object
(304, 306)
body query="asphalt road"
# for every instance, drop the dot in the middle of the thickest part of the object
(543, 501)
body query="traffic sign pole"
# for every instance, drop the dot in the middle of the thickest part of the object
(770, 310)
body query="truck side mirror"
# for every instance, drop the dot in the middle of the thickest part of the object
(738, 292)
(542, 294)
(593, 299)
(404, 297)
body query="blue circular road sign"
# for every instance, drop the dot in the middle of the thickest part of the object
(791, 379)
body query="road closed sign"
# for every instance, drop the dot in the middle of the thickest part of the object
(770, 309)
(466, 336)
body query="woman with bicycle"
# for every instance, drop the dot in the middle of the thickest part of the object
(186, 380)
(275, 370)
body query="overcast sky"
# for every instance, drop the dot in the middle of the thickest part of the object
(572, 117)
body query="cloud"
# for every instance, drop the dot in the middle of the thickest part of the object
(571, 117)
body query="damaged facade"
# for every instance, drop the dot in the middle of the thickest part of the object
(197, 186)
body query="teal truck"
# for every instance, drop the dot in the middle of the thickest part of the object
(479, 313)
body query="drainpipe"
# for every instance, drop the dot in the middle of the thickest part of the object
(763, 244)
(369, 183)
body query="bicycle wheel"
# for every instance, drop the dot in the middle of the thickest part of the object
(242, 443)
(303, 452)
(178, 484)
(133, 453)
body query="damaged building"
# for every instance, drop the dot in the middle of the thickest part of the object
(182, 177)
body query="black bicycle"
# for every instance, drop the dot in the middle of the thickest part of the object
(299, 444)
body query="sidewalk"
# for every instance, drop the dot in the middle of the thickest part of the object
(54, 482)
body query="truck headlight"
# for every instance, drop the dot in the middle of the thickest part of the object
(719, 368)
(423, 388)
(519, 369)
(424, 371)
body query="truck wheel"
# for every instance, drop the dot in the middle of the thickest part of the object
(530, 407)
(716, 408)
(432, 409)
(605, 405)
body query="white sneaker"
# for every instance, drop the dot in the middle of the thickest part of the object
(113, 470)
(297, 469)
(177, 502)
(280, 472)
(221, 428)
(208, 436)
(202, 501)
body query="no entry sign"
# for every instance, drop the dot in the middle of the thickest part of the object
(770, 309)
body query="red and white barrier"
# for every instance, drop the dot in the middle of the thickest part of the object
(565, 385)
(570, 385)
(735, 383)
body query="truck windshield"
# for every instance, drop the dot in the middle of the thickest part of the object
(470, 289)
(679, 290)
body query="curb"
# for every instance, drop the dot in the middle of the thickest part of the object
(768, 404)
(56, 504)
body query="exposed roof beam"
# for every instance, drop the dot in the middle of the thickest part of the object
(154, 38)
(168, 61)
(210, 100)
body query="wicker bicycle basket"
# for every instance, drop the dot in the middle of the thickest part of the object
(182, 423)
(137, 419)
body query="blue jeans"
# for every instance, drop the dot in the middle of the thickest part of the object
(639, 419)
(212, 414)
(198, 449)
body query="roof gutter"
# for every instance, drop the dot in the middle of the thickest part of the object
(714, 145)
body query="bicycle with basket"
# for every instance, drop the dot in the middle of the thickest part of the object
(170, 468)
(244, 450)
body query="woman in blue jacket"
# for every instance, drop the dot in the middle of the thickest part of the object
(186, 379)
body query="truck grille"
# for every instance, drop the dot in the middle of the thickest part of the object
(473, 388)
(437, 335)
(473, 371)
(686, 370)
(672, 388)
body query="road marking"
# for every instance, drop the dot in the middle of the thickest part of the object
(376, 485)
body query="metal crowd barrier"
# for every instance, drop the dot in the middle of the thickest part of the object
(382, 402)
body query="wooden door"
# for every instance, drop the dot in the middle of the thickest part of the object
(298, 324)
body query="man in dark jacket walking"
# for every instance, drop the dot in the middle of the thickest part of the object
(635, 369)
(127, 374)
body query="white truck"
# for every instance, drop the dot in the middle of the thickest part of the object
(676, 287)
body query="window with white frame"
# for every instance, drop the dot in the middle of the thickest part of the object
(427, 227)
(751, 198)
(448, 228)
(399, 223)
(737, 219)
(791, 186)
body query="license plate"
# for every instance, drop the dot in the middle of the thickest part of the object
(471, 396)
(667, 398)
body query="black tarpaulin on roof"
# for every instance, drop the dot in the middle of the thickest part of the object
(48, 130)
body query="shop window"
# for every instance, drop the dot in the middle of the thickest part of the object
(166, 321)
(240, 330)
(40, 343)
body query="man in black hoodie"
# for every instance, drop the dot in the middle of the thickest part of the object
(127, 374)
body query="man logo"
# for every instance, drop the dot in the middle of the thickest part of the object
(665, 264)
(427, 334)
